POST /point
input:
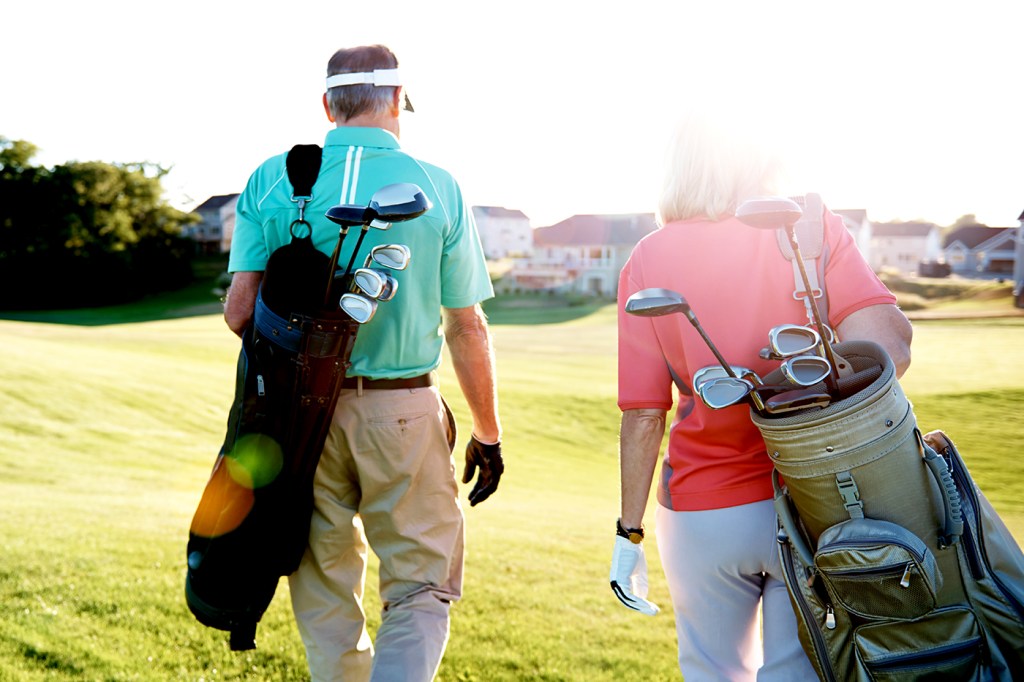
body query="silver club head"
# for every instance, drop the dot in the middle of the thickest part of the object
(806, 370)
(369, 282)
(391, 256)
(787, 340)
(360, 308)
(716, 372)
(724, 391)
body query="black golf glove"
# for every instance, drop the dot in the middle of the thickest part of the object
(488, 458)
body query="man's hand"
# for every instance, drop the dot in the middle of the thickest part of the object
(488, 458)
(629, 576)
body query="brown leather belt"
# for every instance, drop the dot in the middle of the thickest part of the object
(365, 384)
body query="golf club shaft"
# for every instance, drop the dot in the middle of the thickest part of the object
(359, 242)
(334, 263)
(833, 374)
(754, 397)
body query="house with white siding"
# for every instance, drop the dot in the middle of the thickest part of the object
(902, 246)
(582, 254)
(504, 233)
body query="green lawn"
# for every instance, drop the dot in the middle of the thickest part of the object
(108, 431)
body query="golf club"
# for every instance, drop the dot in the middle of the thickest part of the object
(391, 256)
(800, 399)
(724, 392)
(391, 204)
(369, 282)
(345, 215)
(716, 371)
(656, 302)
(360, 308)
(787, 340)
(781, 213)
(807, 370)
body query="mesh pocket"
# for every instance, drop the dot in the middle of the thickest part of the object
(877, 569)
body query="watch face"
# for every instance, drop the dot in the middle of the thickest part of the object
(636, 538)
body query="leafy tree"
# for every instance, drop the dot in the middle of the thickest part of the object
(85, 233)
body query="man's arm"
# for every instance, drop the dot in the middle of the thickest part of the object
(640, 437)
(469, 342)
(241, 300)
(884, 324)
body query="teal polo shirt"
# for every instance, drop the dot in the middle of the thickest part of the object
(447, 267)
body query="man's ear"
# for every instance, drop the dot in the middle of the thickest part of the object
(327, 109)
(396, 101)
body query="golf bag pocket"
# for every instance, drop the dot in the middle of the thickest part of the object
(878, 570)
(948, 644)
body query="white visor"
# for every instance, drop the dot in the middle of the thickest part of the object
(378, 77)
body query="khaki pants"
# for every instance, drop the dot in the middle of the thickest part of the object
(386, 476)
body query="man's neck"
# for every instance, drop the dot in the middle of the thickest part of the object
(387, 122)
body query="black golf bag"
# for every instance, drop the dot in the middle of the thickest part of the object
(252, 523)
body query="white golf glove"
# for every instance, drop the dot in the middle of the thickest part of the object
(629, 576)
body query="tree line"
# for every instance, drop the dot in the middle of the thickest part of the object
(84, 234)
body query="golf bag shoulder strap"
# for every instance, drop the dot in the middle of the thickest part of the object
(303, 164)
(810, 233)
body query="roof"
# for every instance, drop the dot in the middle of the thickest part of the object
(498, 212)
(973, 235)
(902, 229)
(582, 230)
(215, 202)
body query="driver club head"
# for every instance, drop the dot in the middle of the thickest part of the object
(770, 213)
(657, 302)
(398, 202)
(348, 215)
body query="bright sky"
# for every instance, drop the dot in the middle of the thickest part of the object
(906, 108)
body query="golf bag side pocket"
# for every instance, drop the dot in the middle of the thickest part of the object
(878, 570)
(946, 644)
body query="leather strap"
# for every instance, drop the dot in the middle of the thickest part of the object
(422, 381)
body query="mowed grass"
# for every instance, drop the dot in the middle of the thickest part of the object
(107, 435)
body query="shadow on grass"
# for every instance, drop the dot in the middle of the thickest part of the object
(539, 309)
(201, 299)
(193, 300)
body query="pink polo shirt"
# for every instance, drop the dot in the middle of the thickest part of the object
(739, 285)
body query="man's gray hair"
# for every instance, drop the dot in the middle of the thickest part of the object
(348, 101)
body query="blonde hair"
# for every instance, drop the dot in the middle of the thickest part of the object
(714, 163)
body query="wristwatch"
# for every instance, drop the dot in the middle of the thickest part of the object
(634, 535)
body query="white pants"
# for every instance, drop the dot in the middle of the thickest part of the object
(721, 566)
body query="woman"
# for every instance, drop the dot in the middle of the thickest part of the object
(715, 521)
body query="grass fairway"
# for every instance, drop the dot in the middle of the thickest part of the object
(107, 434)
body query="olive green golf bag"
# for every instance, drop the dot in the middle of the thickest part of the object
(897, 566)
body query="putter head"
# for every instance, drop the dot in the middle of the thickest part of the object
(360, 308)
(391, 256)
(657, 302)
(348, 215)
(770, 213)
(370, 282)
(398, 202)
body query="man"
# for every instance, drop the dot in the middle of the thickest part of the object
(386, 475)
